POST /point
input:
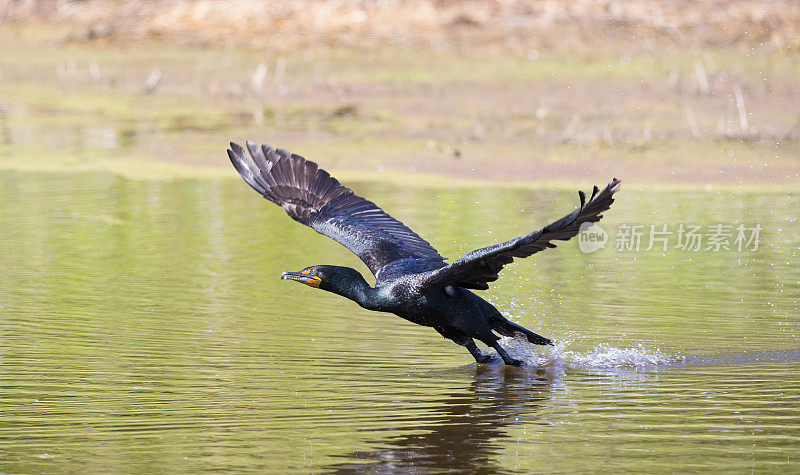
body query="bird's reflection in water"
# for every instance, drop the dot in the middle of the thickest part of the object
(470, 430)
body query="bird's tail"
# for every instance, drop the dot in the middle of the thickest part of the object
(507, 328)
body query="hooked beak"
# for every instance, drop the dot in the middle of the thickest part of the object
(309, 280)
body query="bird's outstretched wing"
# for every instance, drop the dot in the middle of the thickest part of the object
(311, 196)
(479, 267)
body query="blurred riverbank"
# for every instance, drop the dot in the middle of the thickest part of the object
(162, 89)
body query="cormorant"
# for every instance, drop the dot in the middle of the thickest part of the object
(412, 279)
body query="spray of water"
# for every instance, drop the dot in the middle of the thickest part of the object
(602, 356)
(606, 356)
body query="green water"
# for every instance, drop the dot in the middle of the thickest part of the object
(144, 328)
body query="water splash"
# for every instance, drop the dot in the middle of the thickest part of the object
(602, 356)
(519, 347)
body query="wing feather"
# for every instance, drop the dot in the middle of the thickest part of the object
(481, 266)
(312, 197)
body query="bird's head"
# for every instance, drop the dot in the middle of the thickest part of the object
(336, 279)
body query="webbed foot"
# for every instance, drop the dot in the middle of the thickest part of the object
(480, 357)
(507, 359)
(512, 362)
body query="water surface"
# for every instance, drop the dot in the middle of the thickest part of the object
(143, 327)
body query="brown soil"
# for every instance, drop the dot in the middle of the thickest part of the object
(652, 92)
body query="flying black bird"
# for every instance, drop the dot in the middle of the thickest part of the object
(412, 279)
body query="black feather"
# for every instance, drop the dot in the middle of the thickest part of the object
(311, 196)
(483, 265)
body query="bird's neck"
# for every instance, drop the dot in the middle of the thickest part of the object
(361, 292)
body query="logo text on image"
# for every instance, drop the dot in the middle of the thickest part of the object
(591, 237)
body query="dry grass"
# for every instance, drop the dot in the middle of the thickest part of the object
(689, 92)
(512, 26)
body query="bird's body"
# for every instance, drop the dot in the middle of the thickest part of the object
(412, 279)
